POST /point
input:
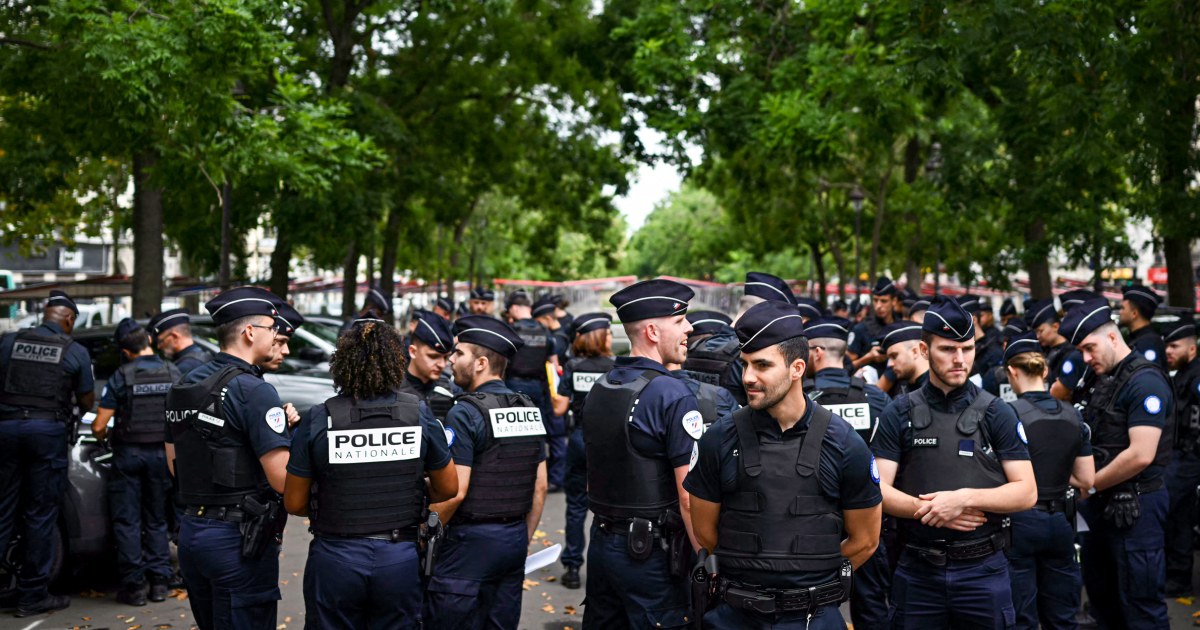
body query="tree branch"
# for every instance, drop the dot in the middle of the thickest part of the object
(22, 42)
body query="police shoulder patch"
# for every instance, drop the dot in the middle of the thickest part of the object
(1068, 367)
(693, 423)
(276, 419)
(1021, 433)
(1151, 355)
(874, 470)
(695, 455)
(1152, 405)
(449, 436)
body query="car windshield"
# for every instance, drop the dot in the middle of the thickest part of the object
(326, 332)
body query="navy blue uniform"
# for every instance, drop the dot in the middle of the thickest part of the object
(33, 472)
(1124, 570)
(224, 589)
(361, 582)
(1148, 343)
(574, 481)
(190, 358)
(1045, 577)
(962, 591)
(538, 389)
(846, 477)
(1072, 371)
(1183, 476)
(481, 565)
(863, 337)
(138, 492)
(621, 591)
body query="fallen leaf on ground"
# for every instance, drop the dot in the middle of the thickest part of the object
(561, 531)
(530, 584)
(570, 610)
(537, 533)
(551, 579)
(548, 608)
(546, 543)
(179, 594)
(1186, 601)
(92, 594)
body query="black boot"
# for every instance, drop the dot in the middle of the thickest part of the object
(570, 579)
(48, 604)
(158, 589)
(132, 594)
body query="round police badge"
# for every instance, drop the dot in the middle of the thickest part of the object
(1152, 405)
(276, 419)
(1151, 355)
(1021, 433)
(693, 423)
(874, 470)
(1068, 367)
(449, 436)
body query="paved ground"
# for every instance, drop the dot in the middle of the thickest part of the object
(547, 605)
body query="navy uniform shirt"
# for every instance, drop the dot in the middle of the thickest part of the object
(1147, 400)
(466, 428)
(862, 339)
(114, 390)
(726, 403)
(893, 437)
(310, 446)
(76, 362)
(425, 389)
(190, 358)
(845, 471)
(989, 355)
(836, 378)
(662, 424)
(1150, 345)
(252, 406)
(1044, 401)
(1187, 405)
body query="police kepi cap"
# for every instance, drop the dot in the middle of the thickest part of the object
(488, 332)
(545, 305)
(708, 322)
(124, 327)
(1014, 327)
(1040, 312)
(649, 299)
(809, 307)
(434, 331)
(828, 328)
(885, 286)
(970, 304)
(1181, 328)
(1008, 307)
(444, 303)
(482, 293)
(242, 302)
(768, 287)
(1075, 297)
(167, 320)
(377, 302)
(518, 296)
(1144, 298)
(898, 332)
(288, 319)
(1021, 343)
(60, 298)
(1081, 320)
(920, 304)
(949, 320)
(588, 322)
(768, 323)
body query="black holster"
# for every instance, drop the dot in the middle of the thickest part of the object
(676, 543)
(703, 586)
(429, 535)
(1070, 509)
(262, 525)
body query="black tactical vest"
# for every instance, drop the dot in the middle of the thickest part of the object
(708, 403)
(1000, 374)
(504, 474)
(1110, 428)
(709, 361)
(623, 483)
(374, 479)
(1187, 408)
(195, 352)
(440, 398)
(35, 379)
(851, 403)
(778, 520)
(530, 361)
(585, 372)
(214, 464)
(1053, 445)
(947, 451)
(141, 414)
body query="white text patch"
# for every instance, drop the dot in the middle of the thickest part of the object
(517, 422)
(363, 446)
(857, 414)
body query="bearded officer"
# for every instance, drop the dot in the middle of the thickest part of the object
(228, 446)
(1130, 410)
(498, 442)
(640, 427)
(908, 361)
(140, 486)
(482, 301)
(860, 404)
(784, 492)
(172, 333)
(1183, 474)
(44, 376)
(430, 345)
(1138, 305)
(952, 461)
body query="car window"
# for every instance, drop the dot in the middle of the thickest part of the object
(106, 357)
(324, 331)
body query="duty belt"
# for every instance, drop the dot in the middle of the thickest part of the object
(770, 601)
(459, 519)
(937, 553)
(396, 535)
(227, 513)
(1051, 505)
(1140, 487)
(621, 527)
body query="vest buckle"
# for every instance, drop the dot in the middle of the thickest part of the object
(201, 510)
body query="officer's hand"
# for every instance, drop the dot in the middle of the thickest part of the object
(942, 507)
(968, 521)
(100, 430)
(293, 416)
(1123, 509)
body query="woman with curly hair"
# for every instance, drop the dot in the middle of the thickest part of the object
(357, 469)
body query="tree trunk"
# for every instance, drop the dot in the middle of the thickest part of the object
(391, 245)
(819, 265)
(147, 237)
(839, 259)
(226, 234)
(880, 212)
(459, 231)
(281, 260)
(350, 281)
(1038, 265)
(913, 276)
(371, 266)
(912, 263)
(1181, 284)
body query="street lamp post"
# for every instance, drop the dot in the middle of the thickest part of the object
(856, 198)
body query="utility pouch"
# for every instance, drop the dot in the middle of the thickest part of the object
(679, 548)
(641, 539)
(258, 526)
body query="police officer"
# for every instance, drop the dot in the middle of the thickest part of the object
(765, 287)
(809, 308)
(1044, 574)
(916, 312)
(375, 306)
(640, 428)
(995, 381)
(228, 444)
(44, 376)
(860, 404)
(1130, 411)
(785, 538)
(430, 345)
(908, 362)
(1138, 305)
(443, 307)
(715, 402)
(497, 439)
(482, 301)
(140, 486)
(358, 462)
(988, 353)
(1183, 474)
(527, 374)
(1064, 362)
(1008, 311)
(713, 351)
(863, 347)
(952, 461)
(518, 298)
(287, 321)
(172, 333)
(593, 358)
